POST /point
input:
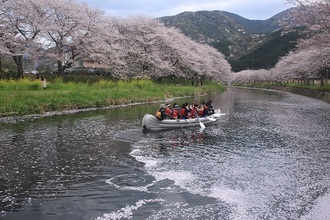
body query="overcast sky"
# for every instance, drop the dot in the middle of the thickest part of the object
(250, 9)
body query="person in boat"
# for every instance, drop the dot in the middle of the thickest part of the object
(194, 113)
(209, 105)
(206, 109)
(188, 110)
(175, 111)
(201, 110)
(161, 113)
(168, 109)
(183, 111)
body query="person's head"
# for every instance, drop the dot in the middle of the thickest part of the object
(162, 106)
(176, 107)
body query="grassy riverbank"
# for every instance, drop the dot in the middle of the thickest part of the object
(26, 96)
(315, 86)
(314, 90)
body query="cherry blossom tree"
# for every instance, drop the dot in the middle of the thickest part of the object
(311, 60)
(71, 32)
(3, 50)
(63, 30)
(314, 15)
(198, 60)
(303, 65)
(251, 77)
(21, 23)
(157, 51)
(140, 40)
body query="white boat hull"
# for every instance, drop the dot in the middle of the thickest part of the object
(150, 122)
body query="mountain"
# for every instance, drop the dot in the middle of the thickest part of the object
(266, 55)
(245, 43)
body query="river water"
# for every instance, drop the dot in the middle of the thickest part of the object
(267, 158)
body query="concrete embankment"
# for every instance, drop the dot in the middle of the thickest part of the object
(323, 95)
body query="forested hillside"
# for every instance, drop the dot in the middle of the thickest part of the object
(247, 44)
(267, 55)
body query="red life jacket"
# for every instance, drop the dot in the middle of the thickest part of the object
(183, 112)
(193, 112)
(200, 110)
(175, 113)
(168, 111)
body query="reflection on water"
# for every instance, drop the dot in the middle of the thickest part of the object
(41, 159)
(268, 158)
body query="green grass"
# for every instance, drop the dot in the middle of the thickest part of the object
(316, 86)
(26, 96)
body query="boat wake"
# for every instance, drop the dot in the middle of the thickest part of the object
(129, 182)
(127, 212)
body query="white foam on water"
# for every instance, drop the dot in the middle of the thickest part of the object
(321, 211)
(202, 179)
(127, 212)
(180, 178)
(236, 198)
(148, 161)
(132, 182)
(227, 194)
(137, 188)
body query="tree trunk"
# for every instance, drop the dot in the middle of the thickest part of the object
(322, 77)
(0, 64)
(19, 63)
(59, 68)
(322, 82)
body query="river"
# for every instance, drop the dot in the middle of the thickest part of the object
(267, 158)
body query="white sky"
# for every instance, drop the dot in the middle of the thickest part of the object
(250, 9)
